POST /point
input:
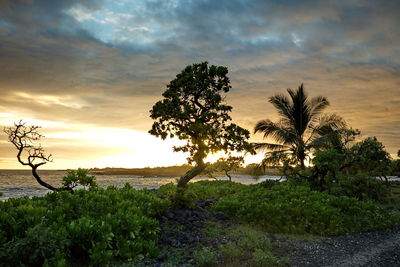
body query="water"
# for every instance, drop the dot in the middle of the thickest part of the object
(20, 183)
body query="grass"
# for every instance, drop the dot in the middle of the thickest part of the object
(244, 246)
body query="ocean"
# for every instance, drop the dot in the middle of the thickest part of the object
(21, 183)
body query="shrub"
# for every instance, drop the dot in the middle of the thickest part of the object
(90, 227)
(197, 191)
(361, 187)
(264, 258)
(205, 257)
(211, 189)
(81, 177)
(299, 210)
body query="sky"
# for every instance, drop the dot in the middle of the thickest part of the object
(88, 72)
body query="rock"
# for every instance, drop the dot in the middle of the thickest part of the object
(170, 215)
(162, 257)
(175, 243)
(220, 216)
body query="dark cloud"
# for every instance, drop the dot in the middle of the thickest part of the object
(105, 63)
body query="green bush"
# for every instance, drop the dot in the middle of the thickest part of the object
(299, 210)
(202, 190)
(264, 258)
(81, 177)
(211, 189)
(361, 187)
(205, 257)
(197, 191)
(90, 227)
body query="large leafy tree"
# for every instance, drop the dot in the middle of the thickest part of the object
(300, 128)
(193, 109)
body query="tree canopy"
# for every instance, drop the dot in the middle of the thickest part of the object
(193, 109)
(300, 127)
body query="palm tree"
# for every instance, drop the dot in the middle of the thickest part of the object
(299, 129)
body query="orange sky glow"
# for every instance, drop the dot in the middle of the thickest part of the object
(88, 72)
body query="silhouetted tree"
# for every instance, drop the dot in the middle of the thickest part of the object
(193, 109)
(25, 139)
(228, 164)
(364, 157)
(301, 124)
(370, 156)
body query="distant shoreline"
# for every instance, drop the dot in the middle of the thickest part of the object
(169, 171)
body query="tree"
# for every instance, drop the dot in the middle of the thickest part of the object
(369, 156)
(364, 157)
(193, 109)
(229, 164)
(225, 165)
(299, 128)
(81, 177)
(25, 139)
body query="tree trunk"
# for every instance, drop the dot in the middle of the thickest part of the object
(386, 181)
(44, 184)
(190, 174)
(230, 178)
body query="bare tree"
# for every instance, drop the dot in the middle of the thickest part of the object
(25, 139)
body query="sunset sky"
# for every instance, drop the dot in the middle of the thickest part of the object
(88, 72)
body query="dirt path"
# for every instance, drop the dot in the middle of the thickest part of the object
(378, 248)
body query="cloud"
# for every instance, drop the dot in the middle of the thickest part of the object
(105, 63)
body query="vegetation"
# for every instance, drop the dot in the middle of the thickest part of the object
(225, 165)
(246, 247)
(338, 193)
(193, 110)
(86, 227)
(176, 171)
(197, 191)
(25, 139)
(367, 158)
(300, 127)
(170, 171)
(297, 209)
(78, 177)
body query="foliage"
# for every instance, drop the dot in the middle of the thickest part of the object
(337, 139)
(299, 128)
(365, 157)
(193, 109)
(79, 177)
(263, 258)
(95, 226)
(299, 210)
(170, 171)
(362, 187)
(371, 157)
(247, 246)
(183, 199)
(205, 257)
(201, 190)
(395, 167)
(225, 165)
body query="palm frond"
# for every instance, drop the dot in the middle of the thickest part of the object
(283, 105)
(333, 121)
(269, 146)
(278, 131)
(317, 105)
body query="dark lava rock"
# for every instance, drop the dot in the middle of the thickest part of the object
(220, 216)
(162, 257)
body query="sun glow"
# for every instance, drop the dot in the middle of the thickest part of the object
(88, 146)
